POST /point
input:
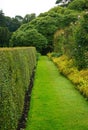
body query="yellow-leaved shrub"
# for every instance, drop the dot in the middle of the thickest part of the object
(67, 68)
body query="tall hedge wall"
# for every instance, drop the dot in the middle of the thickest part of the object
(16, 66)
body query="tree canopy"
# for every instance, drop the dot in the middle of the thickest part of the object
(60, 29)
(29, 38)
(47, 23)
(78, 5)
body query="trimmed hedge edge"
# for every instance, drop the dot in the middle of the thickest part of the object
(23, 119)
(16, 67)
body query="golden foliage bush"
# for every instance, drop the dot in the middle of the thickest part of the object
(67, 68)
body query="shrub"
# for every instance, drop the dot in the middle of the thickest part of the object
(16, 66)
(67, 68)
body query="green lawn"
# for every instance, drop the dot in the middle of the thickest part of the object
(55, 103)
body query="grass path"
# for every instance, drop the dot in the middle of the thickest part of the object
(55, 103)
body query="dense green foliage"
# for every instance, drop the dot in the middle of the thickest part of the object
(4, 36)
(68, 26)
(55, 103)
(2, 18)
(62, 30)
(16, 66)
(78, 5)
(28, 18)
(9, 25)
(15, 22)
(73, 41)
(81, 43)
(46, 24)
(71, 46)
(29, 38)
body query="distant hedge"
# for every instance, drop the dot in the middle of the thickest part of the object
(16, 66)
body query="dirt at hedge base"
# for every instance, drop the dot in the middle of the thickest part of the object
(23, 119)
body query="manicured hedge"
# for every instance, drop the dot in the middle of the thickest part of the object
(16, 66)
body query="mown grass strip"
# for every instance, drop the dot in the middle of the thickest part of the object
(55, 103)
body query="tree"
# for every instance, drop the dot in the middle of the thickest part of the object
(29, 38)
(29, 17)
(14, 24)
(8, 22)
(78, 5)
(81, 43)
(47, 23)
(2, 19)
(11, 23)
(19, 18)
(4, 36)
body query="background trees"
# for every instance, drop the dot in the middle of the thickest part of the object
(15, 22)
(29, 17)
(4, 31)
(72, 40)
(47, 23)
(63, 30)
(9, 25)
(2, 19)
(78, 5)
(4, 36)
(29, 38)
